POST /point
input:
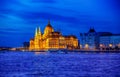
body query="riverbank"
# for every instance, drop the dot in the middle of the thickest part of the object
(65, 51)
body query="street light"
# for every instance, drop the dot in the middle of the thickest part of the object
(80, 46)
(86, 46)
(110, 45)
(101, 45)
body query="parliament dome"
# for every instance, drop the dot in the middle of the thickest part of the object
(48, 28)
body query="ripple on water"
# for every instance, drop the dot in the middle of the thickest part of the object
(59, 65)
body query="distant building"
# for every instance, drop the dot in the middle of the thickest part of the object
(110, 41)
(26, 45)
(99, 40)
(89, 40)
(52, 40)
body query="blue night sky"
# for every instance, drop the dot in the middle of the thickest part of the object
(19, 18)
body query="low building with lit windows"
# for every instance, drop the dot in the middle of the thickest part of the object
(110, 41)
(51, 39)
(99, 40)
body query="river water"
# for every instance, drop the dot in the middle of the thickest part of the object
(76, 64)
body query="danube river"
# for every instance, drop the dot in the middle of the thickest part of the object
(75, 64)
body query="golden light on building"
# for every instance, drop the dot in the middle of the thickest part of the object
(86, 46)
(52, 40)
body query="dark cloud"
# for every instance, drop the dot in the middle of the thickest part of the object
(46, 16)
(44, 1)
(9, 30)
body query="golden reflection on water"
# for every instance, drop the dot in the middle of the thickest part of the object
(37, 53)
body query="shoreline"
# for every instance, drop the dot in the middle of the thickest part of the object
(66, 51)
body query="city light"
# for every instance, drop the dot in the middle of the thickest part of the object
(86, 46)
(101, 45)
(52, 40)
(110, 45)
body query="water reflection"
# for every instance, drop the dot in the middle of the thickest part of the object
(37, 53)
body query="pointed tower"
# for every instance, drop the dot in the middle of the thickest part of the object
(91, 30)
(39, 31)
(36, 33)
(38, 36)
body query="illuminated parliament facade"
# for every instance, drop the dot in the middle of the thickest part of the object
(51, 39)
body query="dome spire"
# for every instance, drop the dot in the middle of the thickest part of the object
(48, 21)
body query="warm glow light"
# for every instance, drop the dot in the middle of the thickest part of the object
(101, 45)
(52, 40)
(110, 45)
(86, 46)
(80, 46)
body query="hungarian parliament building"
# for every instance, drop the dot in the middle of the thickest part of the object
(51, 39)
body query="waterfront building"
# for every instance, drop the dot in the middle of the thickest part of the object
(51, 39)
(89, 40)
(110, 41)
(99, 40)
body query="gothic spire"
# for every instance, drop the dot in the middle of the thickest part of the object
(36, 32)
(39, 31)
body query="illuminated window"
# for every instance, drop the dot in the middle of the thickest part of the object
(86, 46)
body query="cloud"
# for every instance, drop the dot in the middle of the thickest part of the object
(44, 1)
